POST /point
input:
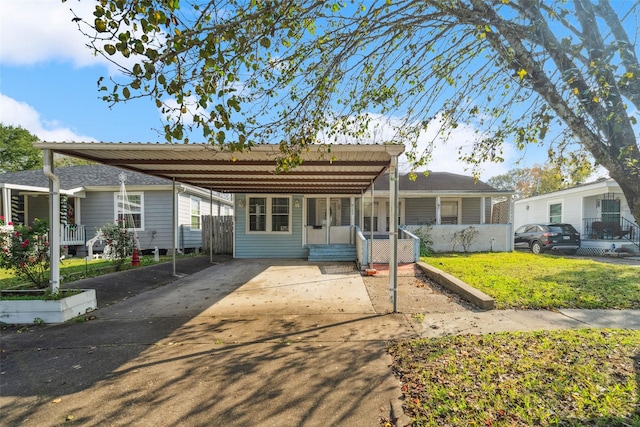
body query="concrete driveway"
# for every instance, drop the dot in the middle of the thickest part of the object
(242, 343)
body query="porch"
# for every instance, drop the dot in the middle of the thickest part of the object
(602, 235)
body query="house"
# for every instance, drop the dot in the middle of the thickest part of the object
(319, 209)
(91, 196)
(447, 203)
(302, 225)
(598, 210)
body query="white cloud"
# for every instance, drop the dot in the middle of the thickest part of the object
(444, 156)
(34, 31)
(16, 113)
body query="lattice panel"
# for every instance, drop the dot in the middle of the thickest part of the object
(591, 251)
(381, 249)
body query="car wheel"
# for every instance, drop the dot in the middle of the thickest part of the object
(536, 248)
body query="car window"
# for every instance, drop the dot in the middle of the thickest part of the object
(532, 229)
(563, 228)
(521, 229)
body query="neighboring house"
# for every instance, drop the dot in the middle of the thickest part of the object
(598, 210)
(91, 197)
(440, 204)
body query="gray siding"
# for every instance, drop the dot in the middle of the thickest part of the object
(420, 211)
(269, 245)
(487, 210)
(188, 237)
(98, 209)
(157, 220)
(471, 211)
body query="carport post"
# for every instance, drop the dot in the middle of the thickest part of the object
(54, 221)
(211, 225)
(373, 188)
(173, 225)
(393, 231)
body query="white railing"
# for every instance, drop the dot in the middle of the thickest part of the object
(415, 240)
(72, 234)
(378, 250)
(362, 249)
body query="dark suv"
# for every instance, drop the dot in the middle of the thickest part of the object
(547, 237)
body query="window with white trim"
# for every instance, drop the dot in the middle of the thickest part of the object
(130, 210)
(450, 211)
(268, 214)
(195, 213)
(555, 213)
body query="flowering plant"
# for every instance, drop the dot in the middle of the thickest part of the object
(2, 221)
(119, 242)
(25, 250)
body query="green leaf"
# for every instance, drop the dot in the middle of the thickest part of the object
(110, 49)
(265, 42)
(100, 25)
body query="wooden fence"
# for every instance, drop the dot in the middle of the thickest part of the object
(222, 227)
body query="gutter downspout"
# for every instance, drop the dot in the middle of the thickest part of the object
(54, 218)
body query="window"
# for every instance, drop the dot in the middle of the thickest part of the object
(269, 214)
(449, 212)
(130, 210)
(610, 210)
(367, 216)
(280, 214)
(257, 214)
(555, 213)
(195, 213)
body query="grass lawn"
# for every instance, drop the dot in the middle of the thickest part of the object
(569, 378)
(74, 269)
(525, 280)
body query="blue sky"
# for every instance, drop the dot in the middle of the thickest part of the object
(48, 86)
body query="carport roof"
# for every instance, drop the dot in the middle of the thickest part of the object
(331, 169)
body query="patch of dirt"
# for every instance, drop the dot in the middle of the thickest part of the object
(417, 294)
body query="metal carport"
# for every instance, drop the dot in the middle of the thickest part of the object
(327, 169)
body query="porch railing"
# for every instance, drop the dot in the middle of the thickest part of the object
(377, 250)
(72, 234)
(597, 229)
(362, 249)
(407, 235)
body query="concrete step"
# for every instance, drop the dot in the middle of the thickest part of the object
(332, 253)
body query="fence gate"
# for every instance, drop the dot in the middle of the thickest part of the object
(222, 234)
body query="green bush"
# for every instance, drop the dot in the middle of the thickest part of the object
(119, 241)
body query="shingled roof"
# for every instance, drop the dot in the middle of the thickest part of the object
(436, 182)
(81, 176)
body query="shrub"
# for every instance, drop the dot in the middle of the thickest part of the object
(25, 250)
(426, 241)
(119, 241)
(465, 237)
